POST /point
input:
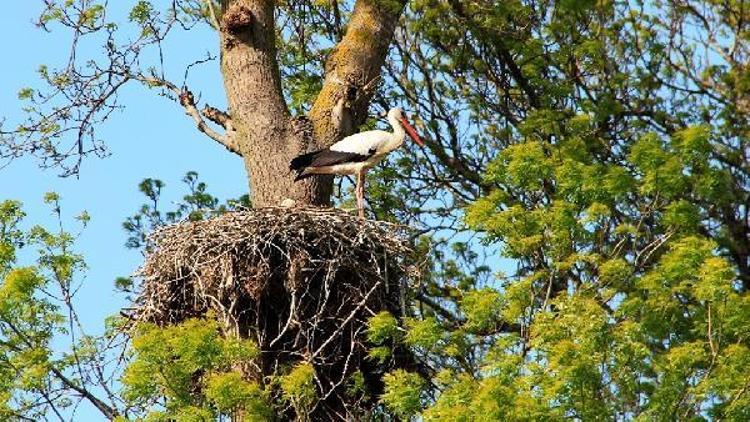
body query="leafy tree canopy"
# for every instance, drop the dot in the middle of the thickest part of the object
(599, 148)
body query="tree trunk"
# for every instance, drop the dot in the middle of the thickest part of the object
(267, 136)
(265, 133)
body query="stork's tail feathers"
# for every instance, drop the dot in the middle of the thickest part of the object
(300, 163)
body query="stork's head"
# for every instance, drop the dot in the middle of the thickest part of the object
(397, 114)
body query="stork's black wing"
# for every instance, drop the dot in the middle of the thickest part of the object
(324, 158)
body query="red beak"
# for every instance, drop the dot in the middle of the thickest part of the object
(412, 133)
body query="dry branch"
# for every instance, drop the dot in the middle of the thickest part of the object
(187, 100)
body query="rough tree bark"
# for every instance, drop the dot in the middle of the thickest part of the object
(267, 135)
(261, 129)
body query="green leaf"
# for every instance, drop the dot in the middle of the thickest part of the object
(381, 327)
(403, 393)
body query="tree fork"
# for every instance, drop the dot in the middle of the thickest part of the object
(267, 135)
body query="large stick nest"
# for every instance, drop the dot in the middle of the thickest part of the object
(300, 281)
(206, 265)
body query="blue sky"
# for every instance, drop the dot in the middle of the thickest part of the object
(151, 138)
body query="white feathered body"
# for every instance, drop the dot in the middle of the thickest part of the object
(352, 154)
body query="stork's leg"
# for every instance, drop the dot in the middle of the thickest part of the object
(360, 191)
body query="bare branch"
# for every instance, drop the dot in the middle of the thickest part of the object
(217, 116)
(187, 100)
(213, 16)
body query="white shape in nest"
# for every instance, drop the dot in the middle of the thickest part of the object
(288, 203)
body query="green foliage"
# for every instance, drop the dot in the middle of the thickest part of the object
(379, 354)
(228, 392)
(381, 327)
(482, 309)
(403, 393)
(616, 311)
(141, 12)
(600, 148)
(425, 333)
(616, 195)
(26, 94)
(36, 313)
(298, 387)
(176, 361)
(454, 404)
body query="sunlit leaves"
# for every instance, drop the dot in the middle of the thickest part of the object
(616, 272)
(298, 387)
(403, 393)
(730, 387)
(381, 327)
(18, 287)
(425, 333)
(454, 404)
(661, 171)
(228, 392)
(609, 165)
(34, 314)
(25, 94)
(482, 309)
(141, 12)
(524, 166)
(626, 300)
(177, 361)
(91, 15)
(693, 144)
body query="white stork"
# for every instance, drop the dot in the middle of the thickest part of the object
(357, 153)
